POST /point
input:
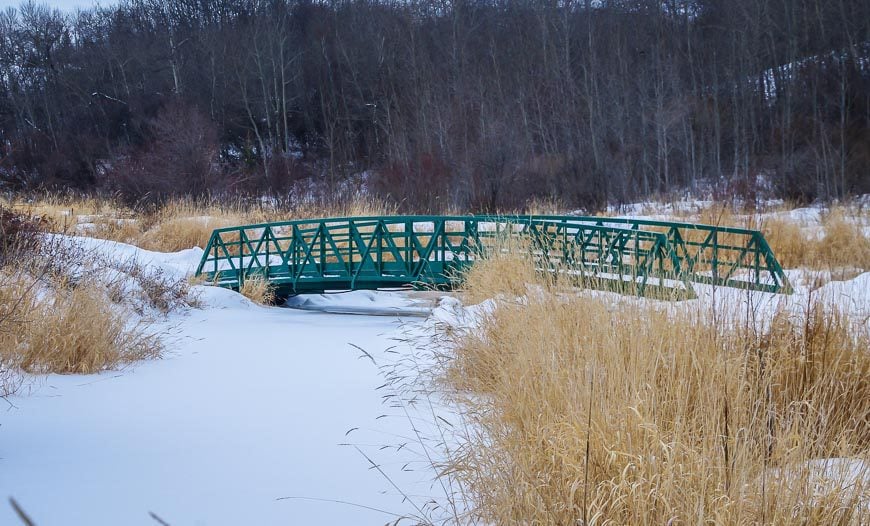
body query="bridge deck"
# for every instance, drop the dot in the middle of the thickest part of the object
(315, 255)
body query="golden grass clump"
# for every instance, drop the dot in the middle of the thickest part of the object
(792, 247)
(258, 290)
(181, 233)
(71, 329)
(843, 248)
(63, 210)
(844, 243)
(122, 229)
(185, 223)
(359, 206)
(544, 206)
(180, 223)
(506, 270)
(585, 413)
(723, 214)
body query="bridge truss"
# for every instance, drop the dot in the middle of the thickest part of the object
(629, 255)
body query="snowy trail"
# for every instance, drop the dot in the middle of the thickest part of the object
(249, 407)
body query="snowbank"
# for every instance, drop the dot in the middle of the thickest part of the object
(256, 416)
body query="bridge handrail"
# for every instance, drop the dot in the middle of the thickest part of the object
(670, 242)
(773, 266)
(403, 219)
(392, 219)
(495, 218)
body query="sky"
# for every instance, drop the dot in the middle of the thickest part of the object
(60, 4)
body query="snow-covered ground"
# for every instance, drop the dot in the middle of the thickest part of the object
(274, 415)
(253, 417)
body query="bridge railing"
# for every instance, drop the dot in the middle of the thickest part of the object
(373, 252)
(714, 255)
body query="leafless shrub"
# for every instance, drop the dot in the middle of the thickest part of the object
(19, 234)
(179, 158)
(157, 289)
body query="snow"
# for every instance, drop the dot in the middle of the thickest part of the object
(788, 72)
(241, 423)
(179, 264)
(804, 217)
(367, 302)
(268, 415)
(847, 479)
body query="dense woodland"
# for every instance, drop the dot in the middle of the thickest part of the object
(437, 104)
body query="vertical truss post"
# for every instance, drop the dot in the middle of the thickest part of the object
(638, 251)
(241, 270)
(266, 235)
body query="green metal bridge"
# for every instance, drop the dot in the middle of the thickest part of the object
(628, 255)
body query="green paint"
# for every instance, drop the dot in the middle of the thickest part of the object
(627, 255)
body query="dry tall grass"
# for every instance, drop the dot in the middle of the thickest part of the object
(64, 310)
(179, 233)
(587, 413)
(792, 247)
(66, 211)
(66, 329)
(544, 206)
(844, 242)
(842, 247)
(724, 214)
(258, 290)
(181, 223)
(507, 270)
(583, 410)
